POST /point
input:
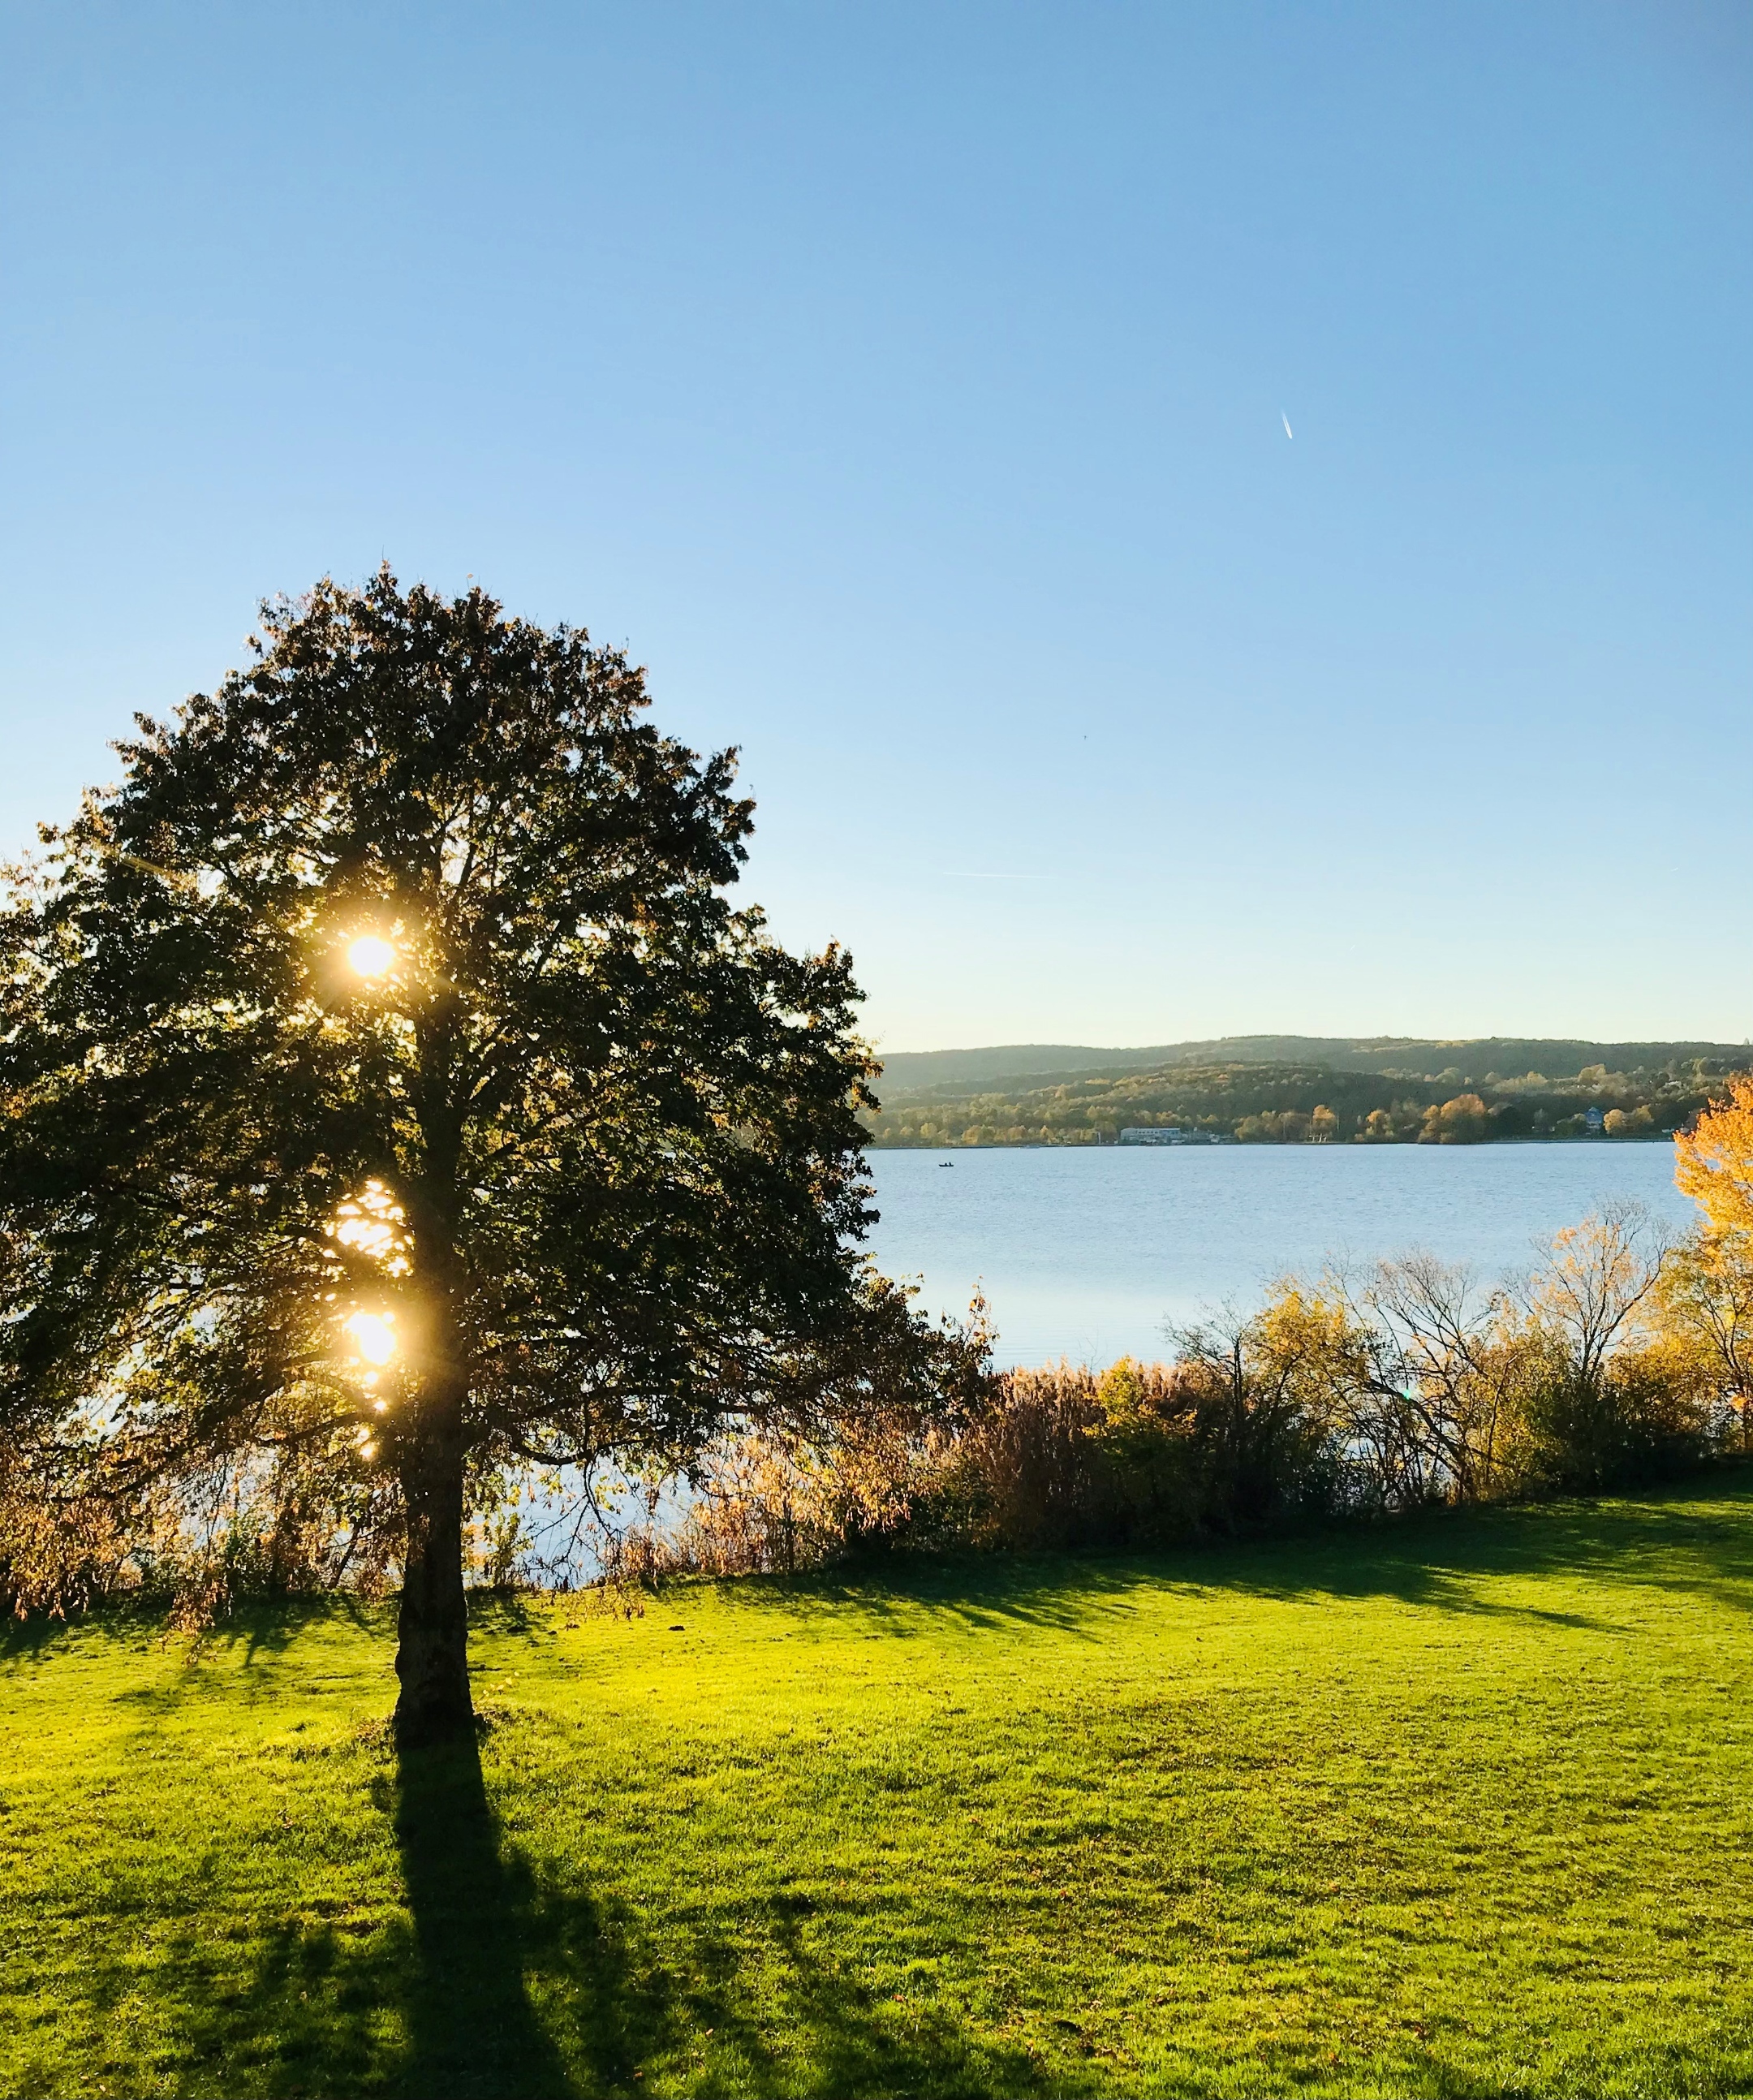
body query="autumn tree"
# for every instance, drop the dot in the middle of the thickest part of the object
(1713, 1161)
(1706, 1308)
(1460, 1121)
(389, 1093)
(1708, 1289)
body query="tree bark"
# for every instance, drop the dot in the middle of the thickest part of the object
(432, 1656)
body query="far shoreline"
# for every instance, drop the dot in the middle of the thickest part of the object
(1268, 1144)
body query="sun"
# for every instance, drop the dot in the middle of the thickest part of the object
(373, 1336)
(371, 956)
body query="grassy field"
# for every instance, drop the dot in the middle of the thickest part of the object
(1460, 1807)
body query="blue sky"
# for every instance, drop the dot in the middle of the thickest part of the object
(905, 385)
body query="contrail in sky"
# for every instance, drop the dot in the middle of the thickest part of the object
(1285, 420)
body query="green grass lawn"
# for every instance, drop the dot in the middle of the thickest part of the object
(1461, 1806)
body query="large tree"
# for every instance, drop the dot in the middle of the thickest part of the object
(389, 1093)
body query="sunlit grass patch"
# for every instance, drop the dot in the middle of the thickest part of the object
(1461, 1807)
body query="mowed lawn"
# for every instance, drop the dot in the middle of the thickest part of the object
(1461, 1807)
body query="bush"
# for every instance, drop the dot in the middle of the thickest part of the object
(1223, 1441)
(1641, 1418)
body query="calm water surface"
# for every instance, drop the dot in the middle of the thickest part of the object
(1086, 1254)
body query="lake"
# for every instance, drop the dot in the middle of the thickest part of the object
(1085, 1253)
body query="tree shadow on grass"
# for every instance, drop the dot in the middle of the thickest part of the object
(1692, 1534)
(494, 1980)
(526, 1985)
(858, 2046)
(470, 2026)
(424, 1999)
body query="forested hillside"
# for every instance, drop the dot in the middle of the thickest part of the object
(1470, 1057)
(1312, 1100)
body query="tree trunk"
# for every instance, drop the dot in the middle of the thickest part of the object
(432, 1656)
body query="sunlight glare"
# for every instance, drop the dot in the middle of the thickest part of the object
(372, 1224)
(371, 956)
(373, 1335)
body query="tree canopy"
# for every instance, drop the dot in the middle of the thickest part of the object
(392, 1093)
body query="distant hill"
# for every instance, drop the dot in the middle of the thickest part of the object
(1387, 1090)
(1469, 1058)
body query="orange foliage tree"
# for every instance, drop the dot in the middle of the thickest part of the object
(1713, 1162)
